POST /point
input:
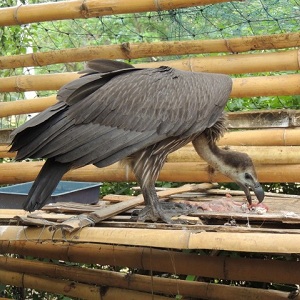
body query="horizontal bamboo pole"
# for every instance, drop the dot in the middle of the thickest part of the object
(76, 9)
(272, 138)
(71, 288)
(236, 63)
(26, 106)
(169, 261)
(262, 137)
(266, 155)
(139, 50)
(128, 281)
(175, 172)
(242, 87)
(24, 83)
(170, 239)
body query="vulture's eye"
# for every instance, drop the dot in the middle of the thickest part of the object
(248, 176)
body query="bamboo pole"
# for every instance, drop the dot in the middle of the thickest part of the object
(24, 83)
(170, 239)
(259, 138)
(242, 87)
(271, 118)
(139, 50)
(26, 106)
(168, 261)
(266, 155)
(76, 9)
(262, 137)
(174, 172)
(235, 63)
(135, 282)
(273, 155)
(70, 288)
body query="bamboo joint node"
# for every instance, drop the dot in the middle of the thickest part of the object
(35, 59)
(84, 10)
(228, 46)
(157, 5)
(190, 62)
(15, 15)
(125, 48)
(18, 82)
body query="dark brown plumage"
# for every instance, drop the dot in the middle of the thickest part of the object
(116, 112)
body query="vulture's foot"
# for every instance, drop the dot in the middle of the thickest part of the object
(164, 211)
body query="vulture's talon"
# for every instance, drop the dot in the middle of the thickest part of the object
(164, 211)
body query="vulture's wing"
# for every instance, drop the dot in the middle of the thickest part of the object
(106, 117)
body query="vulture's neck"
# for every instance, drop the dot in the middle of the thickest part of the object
(212, 154)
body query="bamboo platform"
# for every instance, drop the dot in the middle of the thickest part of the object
(107, 234)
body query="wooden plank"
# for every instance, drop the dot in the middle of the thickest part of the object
(112, 210)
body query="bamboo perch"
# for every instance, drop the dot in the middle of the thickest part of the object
(139, 50)
(263, 137)
(71, 288)
(78, 9)
(264, 155)
(135, 282)
(26, 106)
(242, 87)
(222, 267)
(171, 239)
(208, 290)
(236, 120)
(174, 172)
(235, 63)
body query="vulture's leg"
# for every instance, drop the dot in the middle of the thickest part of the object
(155, 209)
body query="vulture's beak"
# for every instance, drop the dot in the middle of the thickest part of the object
(256, 188)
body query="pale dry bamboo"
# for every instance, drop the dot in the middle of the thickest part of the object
(266, 155)
(236, 63)
(242, 87)
(70, 288)
(263, 137)
(24, 83)
(175, 172)
(24, 14)
(170, 239)
(262, 270)
(52, 285)
(26, 106)
(126, 281)
(138, 50)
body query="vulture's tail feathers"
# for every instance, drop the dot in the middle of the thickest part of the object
(45, 183)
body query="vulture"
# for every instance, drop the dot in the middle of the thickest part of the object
(116, 112)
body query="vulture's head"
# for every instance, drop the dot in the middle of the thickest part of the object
(242, 171)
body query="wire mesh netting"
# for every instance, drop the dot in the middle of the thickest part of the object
(218, 21)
